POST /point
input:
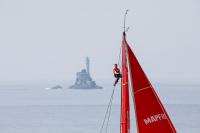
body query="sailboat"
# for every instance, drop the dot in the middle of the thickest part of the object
(151, 116)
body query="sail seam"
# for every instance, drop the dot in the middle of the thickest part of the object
(142, 89)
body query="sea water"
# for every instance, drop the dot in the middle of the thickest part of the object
(29, 108)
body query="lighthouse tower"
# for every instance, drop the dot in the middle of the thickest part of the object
(88, 65)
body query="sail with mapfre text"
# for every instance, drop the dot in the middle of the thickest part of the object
(151, 117)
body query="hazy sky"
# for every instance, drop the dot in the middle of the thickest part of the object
(49, 39)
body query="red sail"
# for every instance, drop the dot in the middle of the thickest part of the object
(150, 113)
(125, 107)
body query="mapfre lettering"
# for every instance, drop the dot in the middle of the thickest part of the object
(155, 118)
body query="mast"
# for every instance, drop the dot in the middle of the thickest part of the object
(125, 105)
(125, 29)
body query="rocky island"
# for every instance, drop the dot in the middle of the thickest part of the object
(84, 80)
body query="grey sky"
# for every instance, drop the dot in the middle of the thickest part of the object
(49, 39)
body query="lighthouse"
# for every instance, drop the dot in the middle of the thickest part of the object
(83, 78)
(87, 65)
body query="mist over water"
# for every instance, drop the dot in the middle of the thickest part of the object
(34, 93)
(28, 107)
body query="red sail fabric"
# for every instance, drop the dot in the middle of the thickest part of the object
(151, 116)
(125, 107)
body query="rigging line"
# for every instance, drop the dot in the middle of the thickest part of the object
(107, 110)
(120, 109)
(111, 100)
(119, 57)
(109, 113)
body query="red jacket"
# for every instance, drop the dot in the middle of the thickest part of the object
(116, 70)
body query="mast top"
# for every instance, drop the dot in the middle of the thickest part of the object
(125, 28)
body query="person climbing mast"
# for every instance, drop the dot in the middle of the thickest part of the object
(117, 74)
